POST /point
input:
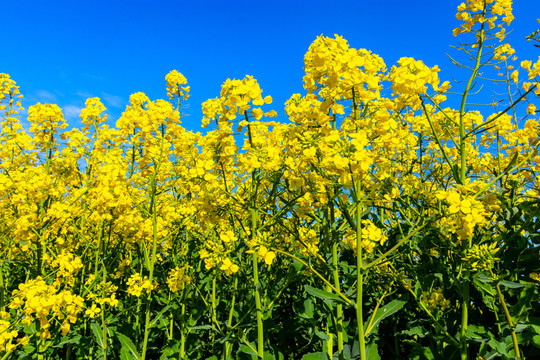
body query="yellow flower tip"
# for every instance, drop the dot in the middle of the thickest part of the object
(531, 109)
(175, 80)
(229, 267)
(526, 64)
(269, 257)
(257, 113)
(514, 76)
(271, 113)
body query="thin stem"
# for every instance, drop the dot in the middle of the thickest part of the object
(464, 321)
(339, 307)
(231, 314)
(464, 349)
(360, 281)
(508, 320)
(311, 269)
(183, 333)
(256, 284)
(151, 263)
(214, 306)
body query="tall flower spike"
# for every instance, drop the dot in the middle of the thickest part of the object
(175, 82)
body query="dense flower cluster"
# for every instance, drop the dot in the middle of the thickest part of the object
(373, 195)
(435, 300)
(36, 299)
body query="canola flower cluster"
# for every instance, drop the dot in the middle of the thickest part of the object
(105, 219)
(42, 302)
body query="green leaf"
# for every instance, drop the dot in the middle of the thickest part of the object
(534, 327)
(483, 286)
(455, 172)
(322, 335)
(307, 311)
(29, 349)
(500, 347)
(476, 333)
(536, 340)
(510, 284)
(389, 309)
(316, 356)
(160, 315)
(124, 354)
(98, 333)
(346, 348)
(525, 298)
(203, 327)
(128, 346)
(428, 353)
(325, 295)
(512, 163)
(373, 352)
(170, 351)
(415, 331)
(65, 340)
(298, 265)
(250, 350)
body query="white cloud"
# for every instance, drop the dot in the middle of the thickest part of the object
(45, 96)
(113, 100)
(71, 112)
(84, 94)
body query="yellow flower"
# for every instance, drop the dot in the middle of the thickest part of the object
(175, 80)
(514, 76)
(178, 279)
(435, 300)
(65, 328)
(266, 255)
(229, 267)
(531, 109)
(93, 311)
(257, 113)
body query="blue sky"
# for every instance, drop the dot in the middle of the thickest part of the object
(63, 52)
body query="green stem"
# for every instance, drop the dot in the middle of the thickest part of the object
(151, 274)
(359, 261)
(260, 334)
(330, 341)
(508, 320)
(462, 134)
(395, 247)
(311, 269)
(214, 306)
(339, 307)
(183, 334)
(103, 322)
(152, 260)
(441, 147)
(254, 218)
(436, 324)
(171, 323)
(227, 344)
(2, 287)
(360, 281)
(260, 329)
(464, 349)
(327, 240)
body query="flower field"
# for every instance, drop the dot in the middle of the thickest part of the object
(388, 216)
